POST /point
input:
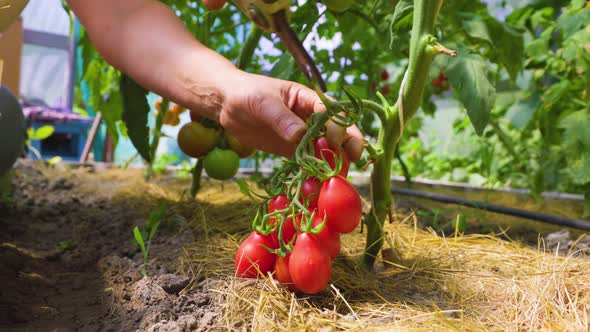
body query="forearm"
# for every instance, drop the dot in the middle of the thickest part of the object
(145, 40)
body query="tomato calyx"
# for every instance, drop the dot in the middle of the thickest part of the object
(306, 224)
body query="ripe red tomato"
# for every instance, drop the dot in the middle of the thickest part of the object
(252, 257)
(441, 82)
(310, 266)
(323, 148)
(327, 238)
(282, 273)
(341, 203)
(310, 191)
(195, 140)
(280, 202)
(384, 75)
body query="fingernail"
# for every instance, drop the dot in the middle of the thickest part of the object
(354, 148)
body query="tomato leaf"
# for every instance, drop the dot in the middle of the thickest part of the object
(402, 18)
(468, 73)
(135, 115)
(572, 21)
(521, 113)
(283, 67)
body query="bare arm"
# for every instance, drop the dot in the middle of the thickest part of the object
(145, 40)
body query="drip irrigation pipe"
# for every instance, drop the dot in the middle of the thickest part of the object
(542, 217)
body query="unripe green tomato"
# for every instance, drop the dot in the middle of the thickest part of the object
(12, 130)
(195, 140)
(338, 6)
(242, 150)
(221, 164)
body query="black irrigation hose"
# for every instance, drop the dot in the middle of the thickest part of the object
(543, 217)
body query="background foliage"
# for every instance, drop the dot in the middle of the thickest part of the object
(531, 66)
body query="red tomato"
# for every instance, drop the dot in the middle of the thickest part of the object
(289, 232)
(323, 148)
(384, 75)
(341, 203)
(327, 238)
(282, 272)
(310, 190)
(278, 203)
(252, 258)
(310, 266)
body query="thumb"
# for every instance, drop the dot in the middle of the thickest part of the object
(214, 4)
(282, 120)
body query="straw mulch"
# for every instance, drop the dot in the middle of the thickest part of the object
(428, 282)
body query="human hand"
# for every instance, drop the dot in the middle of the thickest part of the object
(269, 114)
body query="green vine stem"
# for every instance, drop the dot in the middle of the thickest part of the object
(423, 48)
(156, 139)
(197, 172)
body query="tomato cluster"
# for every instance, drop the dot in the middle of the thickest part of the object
(201, 138)
(332, 207)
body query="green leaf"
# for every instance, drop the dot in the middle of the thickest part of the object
(135, 115)
(402, 18)
(538, 49)
(153, 230)
(41, 133)
(139, 239)
(475, 27)
(245, 188)
(508, 44)
(572, 21)
(521, 113)
(284, 67)
(468, 73)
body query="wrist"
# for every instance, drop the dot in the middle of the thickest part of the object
(203, 78)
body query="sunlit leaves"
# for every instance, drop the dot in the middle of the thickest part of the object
(468, 74)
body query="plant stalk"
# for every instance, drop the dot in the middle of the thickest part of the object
(421, 55)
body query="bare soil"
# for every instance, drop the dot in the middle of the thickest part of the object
(92, 282)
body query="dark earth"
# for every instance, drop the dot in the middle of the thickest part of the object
(69, 262)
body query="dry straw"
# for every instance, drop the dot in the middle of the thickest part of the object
(428, 282)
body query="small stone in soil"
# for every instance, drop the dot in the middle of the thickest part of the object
(173, 283)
